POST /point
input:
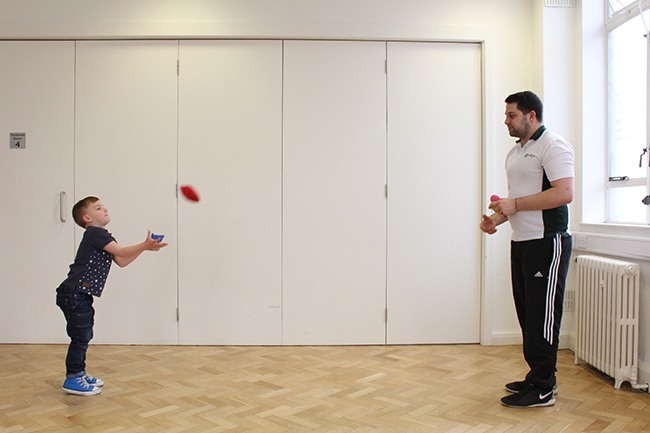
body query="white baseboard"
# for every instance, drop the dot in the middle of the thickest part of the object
(644, 373)
(567, 340)
(506, 337)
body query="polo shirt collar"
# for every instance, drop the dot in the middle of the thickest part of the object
(536, 135)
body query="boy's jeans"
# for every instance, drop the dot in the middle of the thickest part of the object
(80, 316)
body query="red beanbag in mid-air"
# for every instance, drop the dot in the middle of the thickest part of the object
(190, 192)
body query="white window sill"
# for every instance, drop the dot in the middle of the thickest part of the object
(626, 241)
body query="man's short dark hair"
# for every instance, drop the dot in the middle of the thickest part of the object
(526, 102)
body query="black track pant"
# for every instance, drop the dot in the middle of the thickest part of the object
(539, 268)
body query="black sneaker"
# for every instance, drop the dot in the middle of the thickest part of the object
(516, 387)
(529, 397)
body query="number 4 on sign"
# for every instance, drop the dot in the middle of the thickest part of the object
(17, 140)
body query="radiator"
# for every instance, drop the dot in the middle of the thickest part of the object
(607, 316)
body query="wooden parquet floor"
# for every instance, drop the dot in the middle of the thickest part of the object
(305, 389)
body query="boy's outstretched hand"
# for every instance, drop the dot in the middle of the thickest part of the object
(123, 256)
(152, 244)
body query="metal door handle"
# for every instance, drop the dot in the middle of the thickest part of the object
(62, 206)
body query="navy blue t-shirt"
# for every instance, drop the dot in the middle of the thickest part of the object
(91, 265)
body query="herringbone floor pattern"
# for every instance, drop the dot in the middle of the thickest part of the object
(304, 389)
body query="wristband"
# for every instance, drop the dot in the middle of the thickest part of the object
(516, 208)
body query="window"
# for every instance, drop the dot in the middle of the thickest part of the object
(629, 99)
(616, 6)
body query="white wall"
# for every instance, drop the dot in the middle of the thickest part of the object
(557, 76)
(525, 46)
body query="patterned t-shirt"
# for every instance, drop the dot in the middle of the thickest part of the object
(91, 265)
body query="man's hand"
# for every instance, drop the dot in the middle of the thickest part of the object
(504, 206)
(488, 225)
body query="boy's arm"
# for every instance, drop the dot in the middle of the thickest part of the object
(123, 256)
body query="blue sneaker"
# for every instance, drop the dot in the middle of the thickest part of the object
(78, 386)
(95, 381)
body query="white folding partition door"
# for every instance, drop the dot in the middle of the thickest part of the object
(125, 153)
(334, 173)
(434, 178)
(290, 145)
(230, 150)
(37, 90)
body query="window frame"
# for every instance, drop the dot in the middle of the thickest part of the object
(614, 21)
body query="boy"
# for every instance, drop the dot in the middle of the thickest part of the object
(87, 276)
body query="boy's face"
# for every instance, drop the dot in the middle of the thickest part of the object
(97, 215)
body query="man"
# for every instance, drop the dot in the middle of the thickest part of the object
(540, 176)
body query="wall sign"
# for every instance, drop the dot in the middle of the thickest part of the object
(17, 140)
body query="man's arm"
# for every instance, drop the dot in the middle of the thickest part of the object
(560, 193)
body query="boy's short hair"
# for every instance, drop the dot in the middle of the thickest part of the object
(526, 102)
(79, 209)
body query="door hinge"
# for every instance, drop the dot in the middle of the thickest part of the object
(178, 315)
(386, 190)
(386, 315)
(385, 66)
(178, 67)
